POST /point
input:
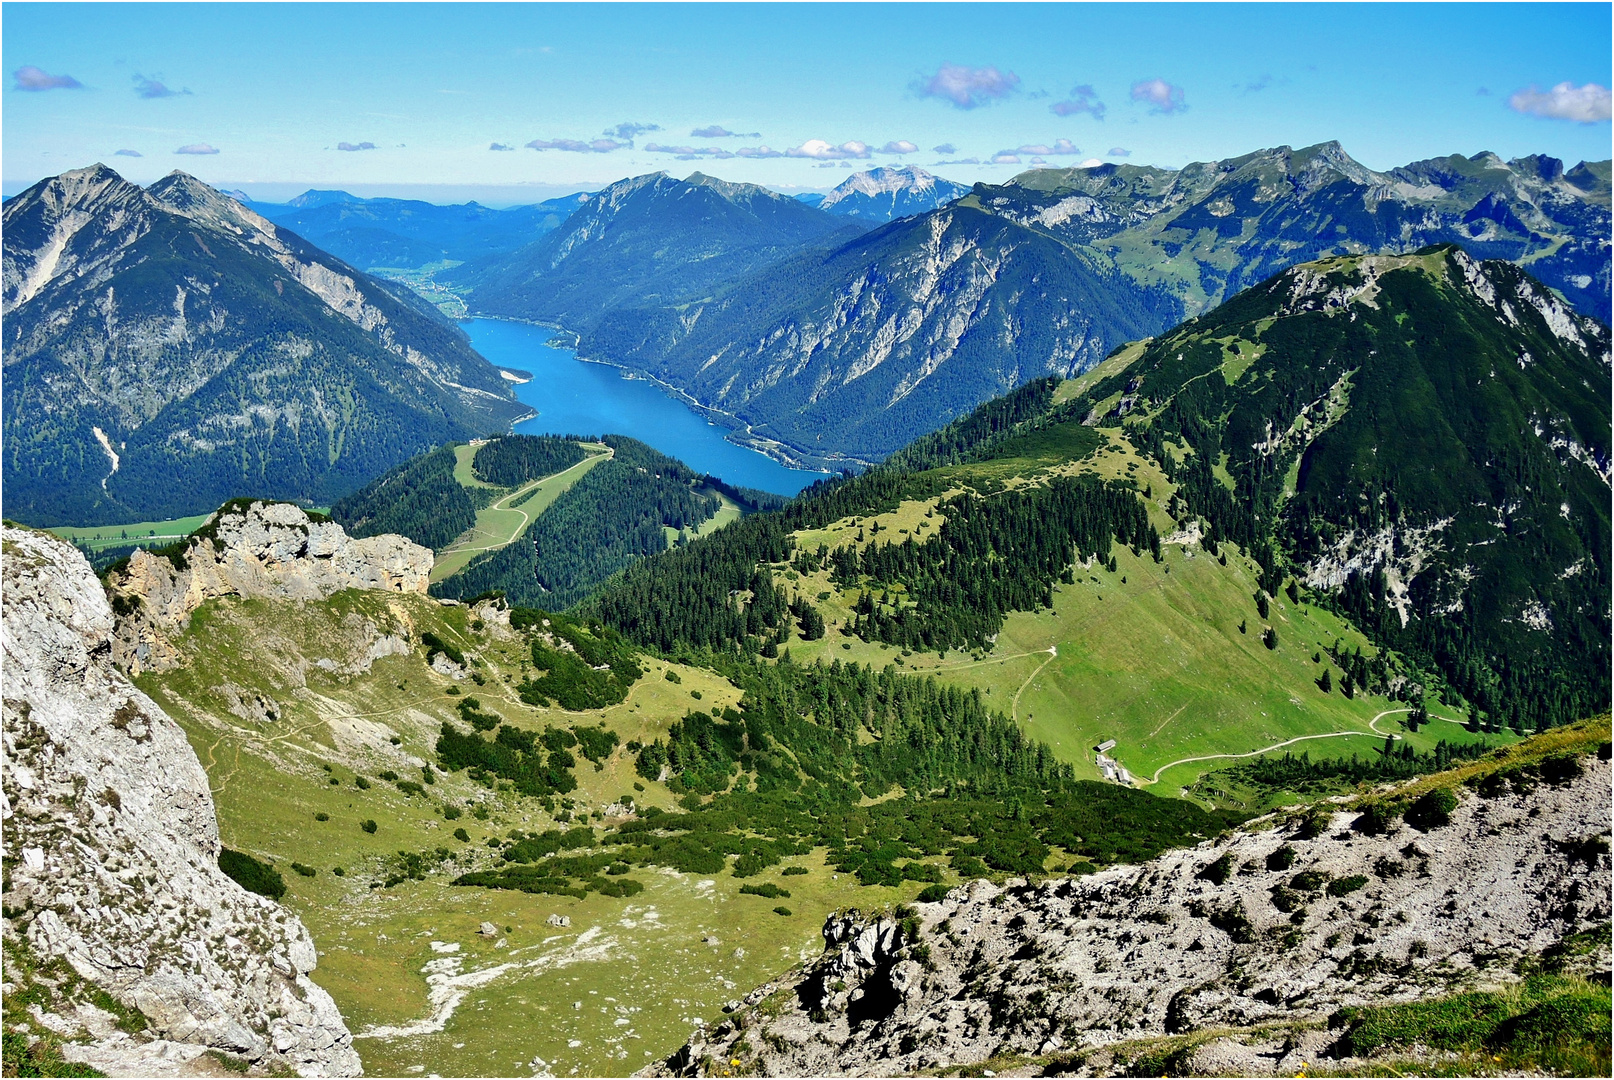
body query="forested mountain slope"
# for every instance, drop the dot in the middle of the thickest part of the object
(852, 352)
(1424, 438)
(1414, 444)
(167, 349)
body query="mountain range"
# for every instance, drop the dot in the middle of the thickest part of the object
(167, 348)
(409, 234)
(647, 240)
(780, 340)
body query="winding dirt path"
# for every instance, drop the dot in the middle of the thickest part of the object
(1014, 707)
(1372, 733)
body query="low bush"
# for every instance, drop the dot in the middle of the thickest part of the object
(1431, 810)
(252, 875)
(368, 825)
(767, 889)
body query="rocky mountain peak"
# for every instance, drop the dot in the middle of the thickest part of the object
(881, 181)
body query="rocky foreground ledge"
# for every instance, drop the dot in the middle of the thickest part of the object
(1284, 922)
(111, 861)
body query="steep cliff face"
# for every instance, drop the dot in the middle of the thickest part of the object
(252, 548)
(112, 849)
(1194, 940)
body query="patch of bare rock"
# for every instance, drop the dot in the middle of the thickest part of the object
(267, 550)
(1272, 925)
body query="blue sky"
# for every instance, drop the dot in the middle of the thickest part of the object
(419, 93)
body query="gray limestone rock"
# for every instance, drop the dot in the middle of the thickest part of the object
(112, 820)
(1133, 952)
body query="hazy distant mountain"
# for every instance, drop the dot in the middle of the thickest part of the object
(404, 233)
(168, 348)
(646, 240)
(886, 193)
(1212, 228)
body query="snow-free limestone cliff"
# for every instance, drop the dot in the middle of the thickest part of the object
(252, 548)
(112, 850)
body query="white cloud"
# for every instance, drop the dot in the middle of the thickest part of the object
(1083, 99)
(36, 79)
(1160, 96)
(127, 153)
(154, 88)
(1090, 163)
(959, 161)
(200, 149)
(945, 148)
(1060, 147)
(1587, 104)
(689, 153)
(898, 146)
(577, 146)
(1120, 151)
(968, 87)
(1005, 157)
(758, 152)
(351, 147)
(628, 131)
(718, 131)
(820, 150)
(500, 146)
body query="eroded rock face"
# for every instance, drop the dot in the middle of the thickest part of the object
(1162, 948)
(109, 816)
(260, 549)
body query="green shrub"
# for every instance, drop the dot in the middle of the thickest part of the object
(932, 894)
(368, 825)
(252, 875)
(435, 645)
(793, 871)
(781, 910)
(320, 815)
(388, 775)
(767, 889)
(451, 812)
(361, 783)
(1431, 810)
(409, 787)
(1217, 872)
(305, 871)
(1281, 859)
(1346, 885)
(672, 676)
(462, 836)
(1377, 819)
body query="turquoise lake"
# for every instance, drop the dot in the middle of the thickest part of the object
(577, 398)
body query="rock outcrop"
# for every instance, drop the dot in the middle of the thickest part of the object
(252, 548)
(1264, 927)
(112, 846)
